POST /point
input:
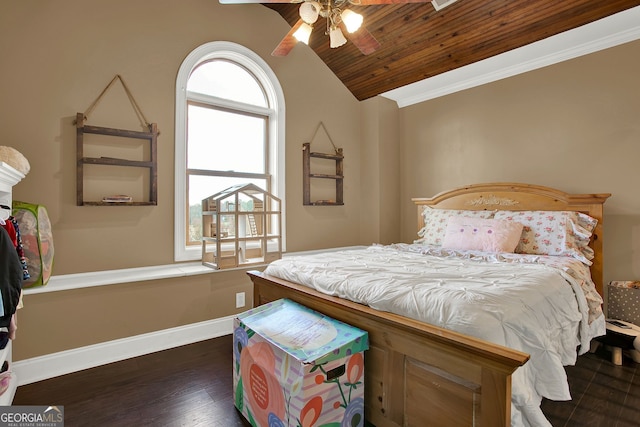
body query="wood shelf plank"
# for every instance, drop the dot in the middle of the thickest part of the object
(125, 133)
(326, 156)
(117, 162)
(89, 203)
(322, 175)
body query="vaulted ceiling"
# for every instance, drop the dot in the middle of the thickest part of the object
(418, 42)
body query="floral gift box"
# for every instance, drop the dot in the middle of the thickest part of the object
(293, 366)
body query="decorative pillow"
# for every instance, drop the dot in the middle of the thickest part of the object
(435, 223)
(563, 233)
(488, 235)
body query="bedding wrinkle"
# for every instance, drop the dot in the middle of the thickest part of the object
(540, 305)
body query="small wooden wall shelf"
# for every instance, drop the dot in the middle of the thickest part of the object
(307, 155)
(151, 164)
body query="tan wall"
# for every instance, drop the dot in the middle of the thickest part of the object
(57, 321)
(574, 126)
(380, 177)
(56, 59)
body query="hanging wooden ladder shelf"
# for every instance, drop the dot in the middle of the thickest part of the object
(338, 157)
(151, 164)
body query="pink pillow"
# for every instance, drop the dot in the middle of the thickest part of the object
(487, 235)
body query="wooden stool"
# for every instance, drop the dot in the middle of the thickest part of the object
(620, 336)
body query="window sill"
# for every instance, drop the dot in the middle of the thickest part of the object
(67, 282)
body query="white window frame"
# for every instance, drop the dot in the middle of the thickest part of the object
(276, 127)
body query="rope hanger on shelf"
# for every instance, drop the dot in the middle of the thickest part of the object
(321, 124)
(136, 108)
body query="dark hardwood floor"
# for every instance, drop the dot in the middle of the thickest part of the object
(603, 394)
(192, 386)
(187, 386)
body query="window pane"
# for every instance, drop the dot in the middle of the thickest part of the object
(201, 187)
(226, 80)
(225, 141)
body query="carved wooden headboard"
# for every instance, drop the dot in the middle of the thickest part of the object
(522, 197)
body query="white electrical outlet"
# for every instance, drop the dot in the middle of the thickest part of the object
(240, 300)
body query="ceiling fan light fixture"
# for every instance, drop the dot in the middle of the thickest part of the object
(352, 20)
(336, 38)
(309, 11)
(303, 33)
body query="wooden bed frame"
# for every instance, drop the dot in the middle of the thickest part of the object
(415, 371)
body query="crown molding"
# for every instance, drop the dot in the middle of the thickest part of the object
(611, 31)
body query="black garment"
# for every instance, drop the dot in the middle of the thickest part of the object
(10, 277)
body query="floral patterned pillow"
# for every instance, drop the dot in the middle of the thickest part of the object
(435, 223)
(562, 233)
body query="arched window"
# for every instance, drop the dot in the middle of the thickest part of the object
(229, 130)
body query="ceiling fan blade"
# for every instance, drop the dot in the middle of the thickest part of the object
(364, 40)
(288, 42)
(371, 2)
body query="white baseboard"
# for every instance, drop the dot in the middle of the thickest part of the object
(52, 365)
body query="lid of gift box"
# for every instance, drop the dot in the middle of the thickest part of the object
(307, 335)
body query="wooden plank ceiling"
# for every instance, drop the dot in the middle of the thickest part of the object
(418, 42)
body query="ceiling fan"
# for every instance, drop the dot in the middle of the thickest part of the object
(338, 18)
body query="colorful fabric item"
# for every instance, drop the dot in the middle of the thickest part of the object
(8, 225)
(20, 250)
(37, 241)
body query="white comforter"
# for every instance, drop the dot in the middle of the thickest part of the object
(544, 306)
